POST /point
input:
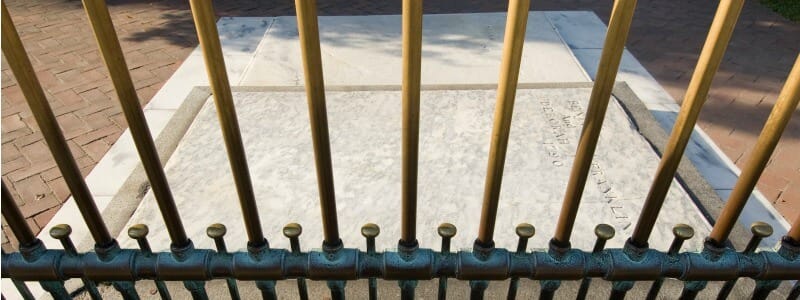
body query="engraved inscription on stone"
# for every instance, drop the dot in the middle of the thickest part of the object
(455, 131)
(561, 147)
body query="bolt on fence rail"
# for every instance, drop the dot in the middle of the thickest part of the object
(337, 264)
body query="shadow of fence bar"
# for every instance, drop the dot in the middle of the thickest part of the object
(337, 264)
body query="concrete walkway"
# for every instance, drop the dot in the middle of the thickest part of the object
(158, 36)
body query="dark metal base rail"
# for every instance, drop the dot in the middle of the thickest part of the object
(631, 263)
(421, 264)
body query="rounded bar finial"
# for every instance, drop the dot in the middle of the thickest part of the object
(683, 231)
(216, 230)
(525, 230)
(60, 231)
(604, 231)
(370, 230)
(447, 230)
(138, 231)
(292, 230)
(761, 229)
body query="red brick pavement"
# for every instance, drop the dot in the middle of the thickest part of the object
(157, 35)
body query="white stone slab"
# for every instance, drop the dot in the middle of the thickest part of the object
(240, 35)
(579, 29)
(455, 133)
(193, 73)
(457, 49)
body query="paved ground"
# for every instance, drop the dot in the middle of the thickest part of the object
(157, 35)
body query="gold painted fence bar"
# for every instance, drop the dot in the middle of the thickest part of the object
(107, 40)
(317, 113)
(794, 231)
(21, 66)
(412, 77)
(770, 135)
(516, 24)
(617, 34)
(13, 216)
(710, 58)
(204, 21)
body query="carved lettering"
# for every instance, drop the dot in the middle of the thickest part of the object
(560, 127)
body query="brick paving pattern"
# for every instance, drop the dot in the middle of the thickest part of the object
(158, 35)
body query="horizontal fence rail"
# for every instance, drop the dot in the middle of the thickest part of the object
(423, 264)
(336, 263)
(628, 264)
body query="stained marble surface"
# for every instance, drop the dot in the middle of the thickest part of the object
(454, 142)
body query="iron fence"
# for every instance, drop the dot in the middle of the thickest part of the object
(334, 263)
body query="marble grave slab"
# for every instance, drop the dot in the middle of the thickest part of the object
(454, 142)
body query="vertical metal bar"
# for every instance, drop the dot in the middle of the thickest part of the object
(267, 288)
(412, 76)
(337, 289)
(447, 231)
(764, 288)
(126, 289)
(619, 289)
(30, 246)
(407, 288)
(204, 20)
(161, 287)
(794, 294)
(293, 231)
(315, 90)
(23, 290)
(370, 232)
(139, 233)
(524, 231)
(302, 289)
(56, 289)
(197, 289)
(217, 232)
(614, 46)
(794, 231)
(603, 232)
(14, 217)
(478, 289)
(681, 233)
(372, 283)
(516, 23)
(61, 232)
(767, 140)
(760, 231)
(691, 289)
(718, 37)
(548, 289)
(106, 36)
(26, 78)
(308, 30)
